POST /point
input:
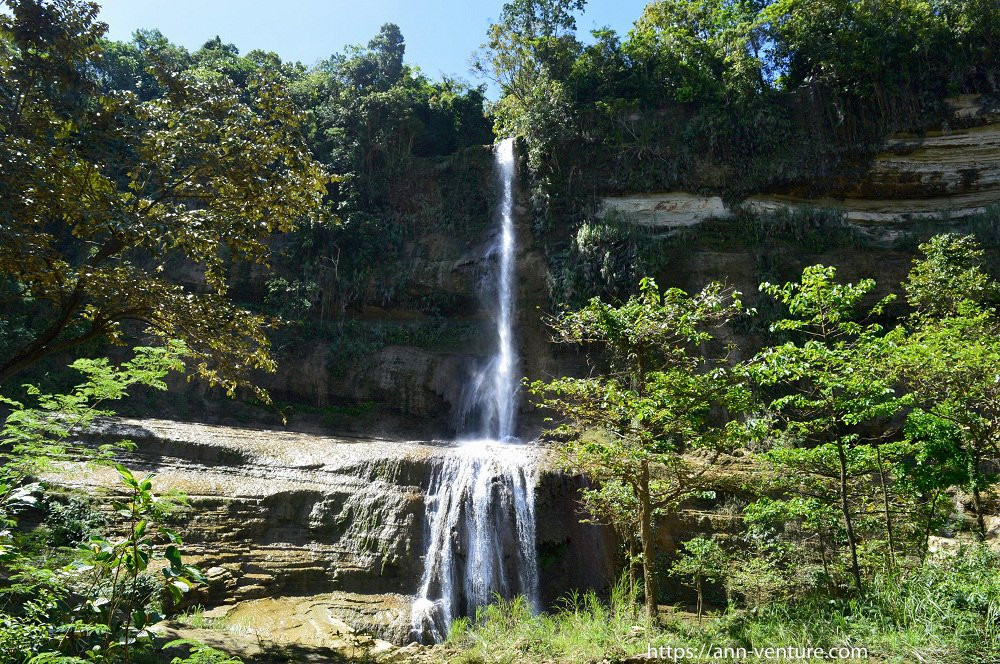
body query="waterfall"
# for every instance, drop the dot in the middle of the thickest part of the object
(481, 516)
(480, 510)
(490, 404)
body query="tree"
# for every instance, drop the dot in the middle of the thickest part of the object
(529, 54)
(937, 461)
(857, 48)
(949, 276)
(702, 561)
(951, 362)
(833, 389)
(34, 436)
(703, 49)
(101, 192)
(532, 40)
(387, 49)
(631, 429)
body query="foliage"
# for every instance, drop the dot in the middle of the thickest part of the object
(943, 611)
(583, 628)
(701, 561)
(629, 429)
(834, 391)
(195, 166)
(411, 163)
(70, 519)
(35, 436)
(725, 97)
(529, 54)
(866, 444)
(604, 257)
(952, 355)
(102, 189)
(937, 462)
(611, 252)
(95, 602)
(114, 568)
(144, 165)
(527, 51)
(200, 654)
(756, 578)
(949, 275)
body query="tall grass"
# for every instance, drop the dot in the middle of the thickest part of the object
(946, 611)
(582, 628)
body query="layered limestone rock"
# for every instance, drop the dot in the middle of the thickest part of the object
(668, 210)
(946, 173)
(338, 523)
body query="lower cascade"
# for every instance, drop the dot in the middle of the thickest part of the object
(481, 523)
(481, 500)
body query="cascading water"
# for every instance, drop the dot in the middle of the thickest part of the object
(489, 409)
(481, 516)
(480, 503)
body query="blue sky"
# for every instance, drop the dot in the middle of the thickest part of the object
(440, 34)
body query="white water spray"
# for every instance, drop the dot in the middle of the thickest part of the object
(481, 500)
(491, 400)
(481, 513)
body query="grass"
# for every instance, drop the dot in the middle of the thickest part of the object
(582, 629)
(195, 617)
(946, 612)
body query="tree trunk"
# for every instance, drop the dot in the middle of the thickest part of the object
(927, 527)
(977, 502)
(888, 512)
(845, 508)
(977, 499)
(633, 578)
(823, 556)
(646, 537)
(701, 597)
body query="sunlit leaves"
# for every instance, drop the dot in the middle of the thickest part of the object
(649, 402)
(101, 189)
(97, 605)
(951, 360)
(32, 437)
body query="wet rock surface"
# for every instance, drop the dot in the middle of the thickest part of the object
(323, 532)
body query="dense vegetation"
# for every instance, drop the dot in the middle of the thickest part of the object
(145, 190)
(732, 97)
(177, 171)
(935, 615)
(863, 442)
(78, 583)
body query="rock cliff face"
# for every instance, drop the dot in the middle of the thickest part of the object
(408, 365)
(276, 514)
(945, 173)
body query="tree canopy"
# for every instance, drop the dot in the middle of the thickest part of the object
(631, 426)
(102, 190)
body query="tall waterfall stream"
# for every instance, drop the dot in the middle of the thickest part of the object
(480, 515)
